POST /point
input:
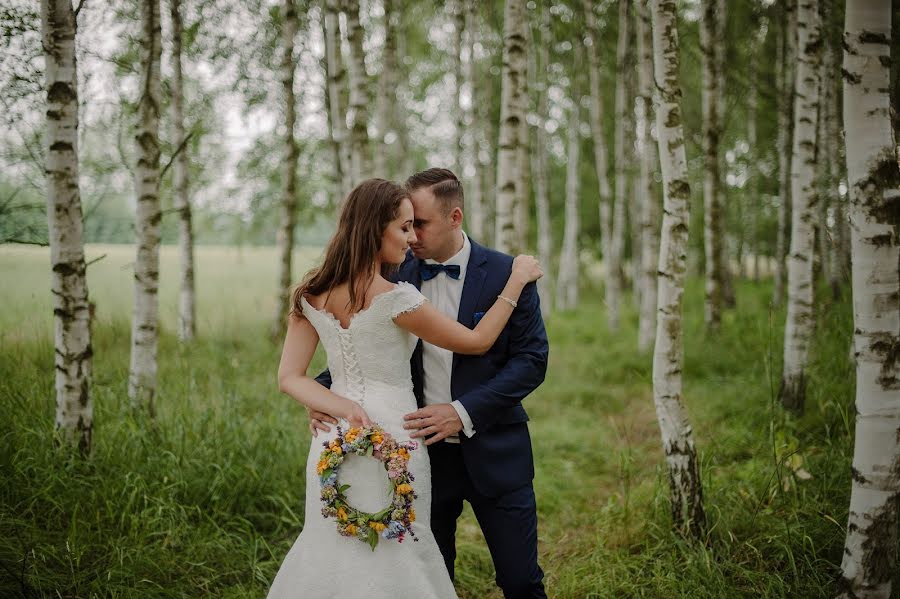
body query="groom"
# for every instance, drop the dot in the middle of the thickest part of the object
(470, 409)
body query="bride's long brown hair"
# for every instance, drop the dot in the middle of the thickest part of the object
(351, 252)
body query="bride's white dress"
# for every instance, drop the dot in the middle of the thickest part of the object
(369, 363)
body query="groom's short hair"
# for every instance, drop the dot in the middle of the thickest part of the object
(443, 184)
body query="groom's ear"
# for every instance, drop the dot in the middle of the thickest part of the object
(456, 216)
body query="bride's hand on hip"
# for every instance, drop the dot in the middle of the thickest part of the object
(355, 414)
(526, 269)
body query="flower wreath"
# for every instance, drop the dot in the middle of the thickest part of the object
(393, 522)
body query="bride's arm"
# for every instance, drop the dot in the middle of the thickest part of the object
(299, 346)
(431, 325)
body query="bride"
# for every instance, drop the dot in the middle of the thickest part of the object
(369, 328)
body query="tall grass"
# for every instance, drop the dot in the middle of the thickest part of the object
(207, 501)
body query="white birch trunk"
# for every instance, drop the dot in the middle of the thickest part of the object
(288, 211)
(459, 25)
(145, 318)
(646, 187)
(787, 48)
(475, 195)
(712, 131)
(800, 318)
(601, 153)
(337, 80)
(71, 310)
(513, 101)
(187, 317)
(540, 62)
(567, 282)
(668, 353)
(361, 158)
(870, 549)
(617, 241)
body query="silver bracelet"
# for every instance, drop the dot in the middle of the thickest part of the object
(512, 303)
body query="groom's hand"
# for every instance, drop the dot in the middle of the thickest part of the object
(318, 420)
(436, 422)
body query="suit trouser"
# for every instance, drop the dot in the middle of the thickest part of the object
(509, 523)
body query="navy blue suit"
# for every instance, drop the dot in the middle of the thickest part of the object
(494, 469)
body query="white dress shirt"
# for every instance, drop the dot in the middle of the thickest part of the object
(445, 293)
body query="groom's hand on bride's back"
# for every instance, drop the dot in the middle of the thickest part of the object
(319, 421)
(437, 422)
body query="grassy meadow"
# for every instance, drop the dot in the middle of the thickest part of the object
(207, 502)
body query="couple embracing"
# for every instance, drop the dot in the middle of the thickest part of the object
(429, 337)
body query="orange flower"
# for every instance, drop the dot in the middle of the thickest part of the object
(403, 453)
(351, 529)
(321, 466)
(342, 514)
(377, 526)
(412, 515)
(376, 438)
(404, 489)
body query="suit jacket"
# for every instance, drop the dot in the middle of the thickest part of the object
(492, 386)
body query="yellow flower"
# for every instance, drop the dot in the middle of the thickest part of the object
(403, 453)
(412, 515)
(321, 466)
(351, 436)
(376, 438)
(336, 448)
(377, 526)
(342, 514)
(404, 489)
(351, 529)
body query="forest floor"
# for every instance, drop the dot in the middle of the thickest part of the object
(208, 501)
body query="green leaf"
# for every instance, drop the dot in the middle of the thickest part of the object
(373, 539)
(343, 488)
(326, 473)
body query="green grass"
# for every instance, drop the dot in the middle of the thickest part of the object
(208, 501)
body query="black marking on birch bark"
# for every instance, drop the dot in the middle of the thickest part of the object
(857, 476)
(880, 544)
(851, 78)
(793, 392)
(871, 37)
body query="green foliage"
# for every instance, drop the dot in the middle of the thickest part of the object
(210, 500)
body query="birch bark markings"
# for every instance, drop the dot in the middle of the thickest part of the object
(870, 548)
(337, 77)
(145, 317)
(649, 203)
(288, 210)
(513, 101)
(361, 158)
(787, 50)
(475, 201)
(71, 311)
(800, 317)
(541, 62)
(187, 327)
(617, 226)
(686, 493)
(601, 153)
(567, 281)
(459, 23)
(712, 130)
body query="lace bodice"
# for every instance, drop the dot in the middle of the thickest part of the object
(372, 350)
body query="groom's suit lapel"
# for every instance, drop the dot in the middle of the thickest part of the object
(472, 285)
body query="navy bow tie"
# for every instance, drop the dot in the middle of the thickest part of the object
(430, 271)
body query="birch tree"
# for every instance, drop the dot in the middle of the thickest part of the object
(145, 318)
(539, 162)
(337, 80)
(567, 281)
(617, 242)
(288, 212)
(649, 205)
(71, 311)
(361, 167)
(513, 102)
(601, 160)
(187, 327)
(870, 549)
(800, 317)
(712, 132)
(459, 22)
(475, 196)
(787, 50)
(686, 493)
(393, 136)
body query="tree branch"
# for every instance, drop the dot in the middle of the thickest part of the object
(162, 173)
